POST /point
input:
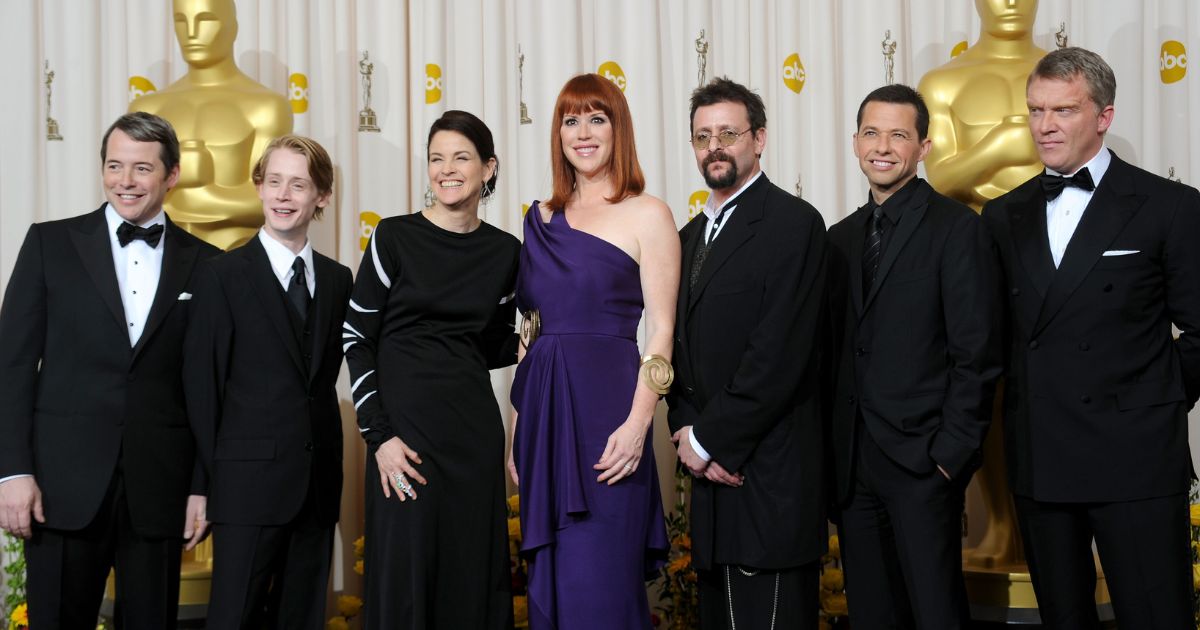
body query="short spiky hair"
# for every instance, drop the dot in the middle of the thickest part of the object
(320, 167)
(899, 94)
(1065, 64)
(723, 90)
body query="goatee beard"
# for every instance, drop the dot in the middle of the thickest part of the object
(722, 181)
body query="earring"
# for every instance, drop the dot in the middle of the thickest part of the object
(428, 196)
(487, 192)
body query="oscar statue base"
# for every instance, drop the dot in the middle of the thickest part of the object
(195, 585)
(1004, 595)
(367, 121)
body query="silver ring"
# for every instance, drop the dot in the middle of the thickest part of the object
(628, 466)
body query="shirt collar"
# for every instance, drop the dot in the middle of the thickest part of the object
(282, 258)
(712, 213)
(1097, 166)
(115, 220)
(895, 205)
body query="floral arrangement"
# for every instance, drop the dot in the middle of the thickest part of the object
(1194, 514)
(15, 609)
(834, 613)
(349, 606)
(677, 587)
(518, 567)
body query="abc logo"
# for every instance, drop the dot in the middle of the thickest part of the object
(524, 209)
(1172, 61)
(140, 86)
(958, 49)
(793, 73)
(298, 92)
(696, 203)
(613, 72)
(367, 221)
(433, 83)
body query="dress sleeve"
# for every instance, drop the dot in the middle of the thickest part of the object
(360, 336)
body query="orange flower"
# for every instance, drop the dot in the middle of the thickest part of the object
(835, 547)
(359, 546)
(358, 567)
(683, 541)
(832, 579)
(1195, 514)
(337, 623)
(514, 504)
(20, 616)
(834, 604)
(514, 528)
(680, 563)
(349, 605)
(521, 611)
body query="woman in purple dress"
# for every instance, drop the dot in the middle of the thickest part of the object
(596, 253)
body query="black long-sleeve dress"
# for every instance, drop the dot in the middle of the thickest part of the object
(431, 312)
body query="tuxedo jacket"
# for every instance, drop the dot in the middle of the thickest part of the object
(746, 354)
(917, 356)
(75, 398)
(261, 396)
(1098, 390)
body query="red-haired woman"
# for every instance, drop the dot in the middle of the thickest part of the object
(595, 254)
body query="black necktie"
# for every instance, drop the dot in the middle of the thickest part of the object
(1053, 185)
(127, 232)
(872, 250)
(297, 290)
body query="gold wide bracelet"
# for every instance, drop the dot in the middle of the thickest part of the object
(657, 372)
(531, 327)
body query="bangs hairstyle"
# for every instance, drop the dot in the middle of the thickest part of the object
(585, 93)
(320, 167)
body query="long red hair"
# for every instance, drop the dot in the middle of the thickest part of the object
(585, 93)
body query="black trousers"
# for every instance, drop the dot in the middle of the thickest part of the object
(66, 572)
(759, 599)
(1144, 548)
(271, 576)
(901, 545)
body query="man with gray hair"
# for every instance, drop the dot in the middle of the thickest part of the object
(1100, 260)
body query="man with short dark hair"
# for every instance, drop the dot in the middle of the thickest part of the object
(745, 408)
(1100, 259)
(915, 301)
(96, 455)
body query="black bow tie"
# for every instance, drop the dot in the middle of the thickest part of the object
(1053, 185)
(127, 232)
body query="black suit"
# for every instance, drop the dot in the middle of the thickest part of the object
(746, 356)
(100, 425)
(261, 394)
(918, 354)
(1098, 393)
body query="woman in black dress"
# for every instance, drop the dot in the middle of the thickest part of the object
(431, 313)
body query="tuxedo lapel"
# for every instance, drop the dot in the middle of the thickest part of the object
(1027, 218)
(858, 237)
(904, 230)
(90, 237)
(179, 257)
(270, 297)
(1109, 211)
(734, 235)
(322, 311)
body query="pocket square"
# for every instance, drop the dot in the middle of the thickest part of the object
(185, 296)
(1122, 252)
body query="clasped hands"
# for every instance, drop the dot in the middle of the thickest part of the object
(710, 470)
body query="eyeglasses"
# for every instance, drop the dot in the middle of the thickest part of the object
(726, 138)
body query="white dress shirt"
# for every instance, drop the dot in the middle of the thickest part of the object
(712, 213)
(282, 258)
(138, 267)
(1064, 212)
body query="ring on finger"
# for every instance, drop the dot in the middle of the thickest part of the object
(628, 466)
(402, 483)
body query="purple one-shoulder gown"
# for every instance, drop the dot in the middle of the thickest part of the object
(590, 546)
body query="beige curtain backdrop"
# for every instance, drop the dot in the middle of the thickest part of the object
(811, 60)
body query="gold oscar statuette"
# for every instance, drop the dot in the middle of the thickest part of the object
(367, 121)
(224, 120)
(889, 58)
(525, 119)
(701, 59)
(1171, 175)
(800, 185)
(1060, 38)
(51, 124)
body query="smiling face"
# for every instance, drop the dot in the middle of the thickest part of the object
(456, 172)
(289, 196)
(135, 179)
(887, 146)
(1068, 128)
(587, 141)
(727, 168)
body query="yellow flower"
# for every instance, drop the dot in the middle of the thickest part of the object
(835, 548)
(521, 610)
(349, 605)
(359, 546)
(680, 563)
(1195, 513)
(358, 567)
(514, 528)
(20, 615)
(834, 604)
(1196, 577)
(832, 579)
(514, 504)
(337, 623)
(824, 625)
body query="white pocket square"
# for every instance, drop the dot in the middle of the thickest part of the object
(187, 296)
(1122, 252)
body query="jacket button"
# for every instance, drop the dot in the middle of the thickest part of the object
(1083, 345)
(1033, 345)
(850, 399)
(1085, 399)
(308, 446)
(689, 389)
(1016, 292)
(859, 352)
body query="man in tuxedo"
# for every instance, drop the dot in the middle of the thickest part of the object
(262, 359)
(916, 314)
(1100, 259)
(96, 456)
(745, 407)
